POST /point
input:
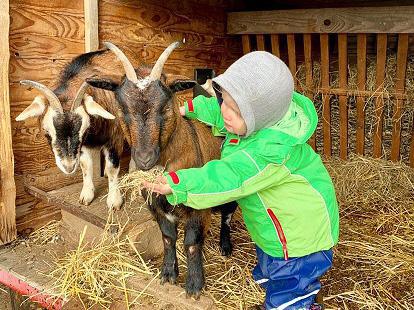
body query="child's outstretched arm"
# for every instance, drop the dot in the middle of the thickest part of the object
(219, 181)
(206, 110)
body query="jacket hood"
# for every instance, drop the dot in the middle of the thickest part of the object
(298, 124)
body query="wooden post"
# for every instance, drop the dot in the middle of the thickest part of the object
(246, 43)
(92, 44)
(7, 185)
(343, 100)
(326, 98)
(307, 48)
(91, 25)
(399, 89)
(362, 76)
(379, 86)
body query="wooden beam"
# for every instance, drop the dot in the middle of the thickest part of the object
(91, 25)
(396, 19)
(7, 185)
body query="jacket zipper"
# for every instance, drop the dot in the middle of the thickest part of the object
(280, 232)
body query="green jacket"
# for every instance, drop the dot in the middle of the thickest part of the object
(283, 189)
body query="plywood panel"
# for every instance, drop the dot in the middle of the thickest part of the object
(45, 35)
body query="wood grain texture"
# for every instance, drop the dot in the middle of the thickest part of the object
(326, 104)
(343, 100)
(274, 39)
(260, 42)
(291, 45)
(330, 20)
(307, 48)
(399, 88)
(246, 44)
(91, 25)
(7, 183)
(362, 75)
(379, 102)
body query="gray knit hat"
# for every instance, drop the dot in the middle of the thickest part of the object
(262, 86)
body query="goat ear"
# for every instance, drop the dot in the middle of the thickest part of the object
(36, 108)
(180, 85)
(102, 83)
(93, 108)
(200, 90)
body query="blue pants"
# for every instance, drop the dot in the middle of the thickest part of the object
(292, 283)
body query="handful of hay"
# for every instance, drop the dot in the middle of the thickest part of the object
(94, 273)
(132, 183)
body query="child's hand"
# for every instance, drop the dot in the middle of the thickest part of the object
(163, 188)
(182, 111)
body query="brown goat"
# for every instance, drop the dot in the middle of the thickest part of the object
(160, 136)
(74, 123)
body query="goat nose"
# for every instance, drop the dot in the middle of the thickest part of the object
(69, 167)
(145, 158)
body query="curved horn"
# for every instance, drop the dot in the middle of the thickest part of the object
(50, 95)
(79, 96)
(129, 69)
(157, 69)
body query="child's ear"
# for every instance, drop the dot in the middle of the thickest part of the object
(36, 108)
(103, 83)
(93, 108)
(180, 85)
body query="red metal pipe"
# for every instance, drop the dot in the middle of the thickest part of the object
(35, 295)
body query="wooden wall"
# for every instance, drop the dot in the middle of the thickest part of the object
(44, 35)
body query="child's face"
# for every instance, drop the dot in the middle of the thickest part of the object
(233, 121)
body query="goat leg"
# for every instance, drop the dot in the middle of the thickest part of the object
(193, 244)
(88, 189)
(227, 210)
(168, 227)
(114, 199)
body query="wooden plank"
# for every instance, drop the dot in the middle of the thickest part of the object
(399, 88)
(309, 91)
(260, 42)
(91, 25)
(379, 86)
(362, 75)
(326, 105)
(397, 19)
(43, 19)
(343, 100)
(246, 44)
(292, 55)
(274, 39)
(7, 184)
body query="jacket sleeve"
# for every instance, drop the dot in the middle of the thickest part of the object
(238, 175)
(206, 110)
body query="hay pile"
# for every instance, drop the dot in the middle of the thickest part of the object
(386, 92)
(96, 273)
(374, 265)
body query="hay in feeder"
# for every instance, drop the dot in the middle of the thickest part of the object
(373, 262)
(95, 273)
(132, 183)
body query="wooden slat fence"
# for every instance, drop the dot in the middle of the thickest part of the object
(334, 61)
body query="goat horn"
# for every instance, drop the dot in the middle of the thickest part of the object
(79, 96)
(49, 94)
(129, 69)
(157, 69)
